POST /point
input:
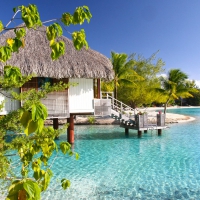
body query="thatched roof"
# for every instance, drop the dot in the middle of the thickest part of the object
(35, 59)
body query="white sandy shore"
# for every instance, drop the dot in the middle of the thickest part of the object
(152, 112)
(170, 117)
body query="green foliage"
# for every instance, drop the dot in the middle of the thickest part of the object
(81, 14)
(53, 31)
(30, 16)
(195, 100)
(67, 19)
(175, 85)
(31, 141)
(137, 91)
(12, 74)
(1, 26)
(79, 39)
(58, 49)
(65, 183)
(5, 53)
(14, 44)
(124, 73)
(20, 33)
(91, 119)
(23, 190)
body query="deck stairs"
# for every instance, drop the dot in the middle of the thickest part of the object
(119, 110)
(129, 118)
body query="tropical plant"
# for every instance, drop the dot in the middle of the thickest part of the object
(175, 85)
(91, 119)
(35, 147)
(124, 74)
(141, 93)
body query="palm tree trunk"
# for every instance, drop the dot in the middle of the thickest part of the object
(165, 108)
(115, 91)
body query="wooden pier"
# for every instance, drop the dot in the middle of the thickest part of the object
(141, 129)
(142, 123)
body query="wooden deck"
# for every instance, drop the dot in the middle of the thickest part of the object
(140, 129)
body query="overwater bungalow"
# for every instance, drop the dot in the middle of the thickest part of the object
(84, 67)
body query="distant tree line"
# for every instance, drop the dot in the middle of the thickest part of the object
(138, 82)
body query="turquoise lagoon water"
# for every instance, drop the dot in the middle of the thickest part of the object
(113, 166)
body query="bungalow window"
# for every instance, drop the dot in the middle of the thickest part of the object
(43, 80)
(56, 102)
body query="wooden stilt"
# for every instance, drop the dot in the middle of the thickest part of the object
(68, 121)
(98, 88)
(139, 133)
(70, 135)
(126, 131)
(145, 131)
(55, 125)
(159, 131)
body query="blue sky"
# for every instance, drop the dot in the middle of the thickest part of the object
(134, 26)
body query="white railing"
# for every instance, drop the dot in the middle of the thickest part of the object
(117, 105)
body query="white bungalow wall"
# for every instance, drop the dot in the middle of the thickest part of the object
(9, 104)
(81, 96)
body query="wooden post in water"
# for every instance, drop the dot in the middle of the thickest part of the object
(145, 131)
(70, 130)
(159, 131)
(55, 125)
(126, 131)
(139, 133)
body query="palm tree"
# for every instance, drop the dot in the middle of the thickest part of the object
(123, 72)
(175, 85)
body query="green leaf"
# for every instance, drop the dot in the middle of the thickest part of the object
(15, 44)
(15, 9)
(30, 188)
(37, 191)
(58, 49)
(79, 39)
(77, 156)
(45, 149)
(67, 19)
(44, 159)
(37, 174)
(5, 53)
(81, 14)
(39, 111)
(25, 119)
(12, 74)
(31, 128)
(30, 16)
(65, 183)
(40, 125)
(13, 190)
(20, 32)
(65, 148)
(1, 26)
(53, 31)
(47, 178)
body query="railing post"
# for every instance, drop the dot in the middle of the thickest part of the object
(113, 102)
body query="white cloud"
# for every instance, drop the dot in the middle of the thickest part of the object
(197, 82)
(163, 75)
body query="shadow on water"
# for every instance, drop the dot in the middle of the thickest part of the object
(109, 136)
(106, 133)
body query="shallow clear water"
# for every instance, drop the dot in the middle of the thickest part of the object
(112, 166)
